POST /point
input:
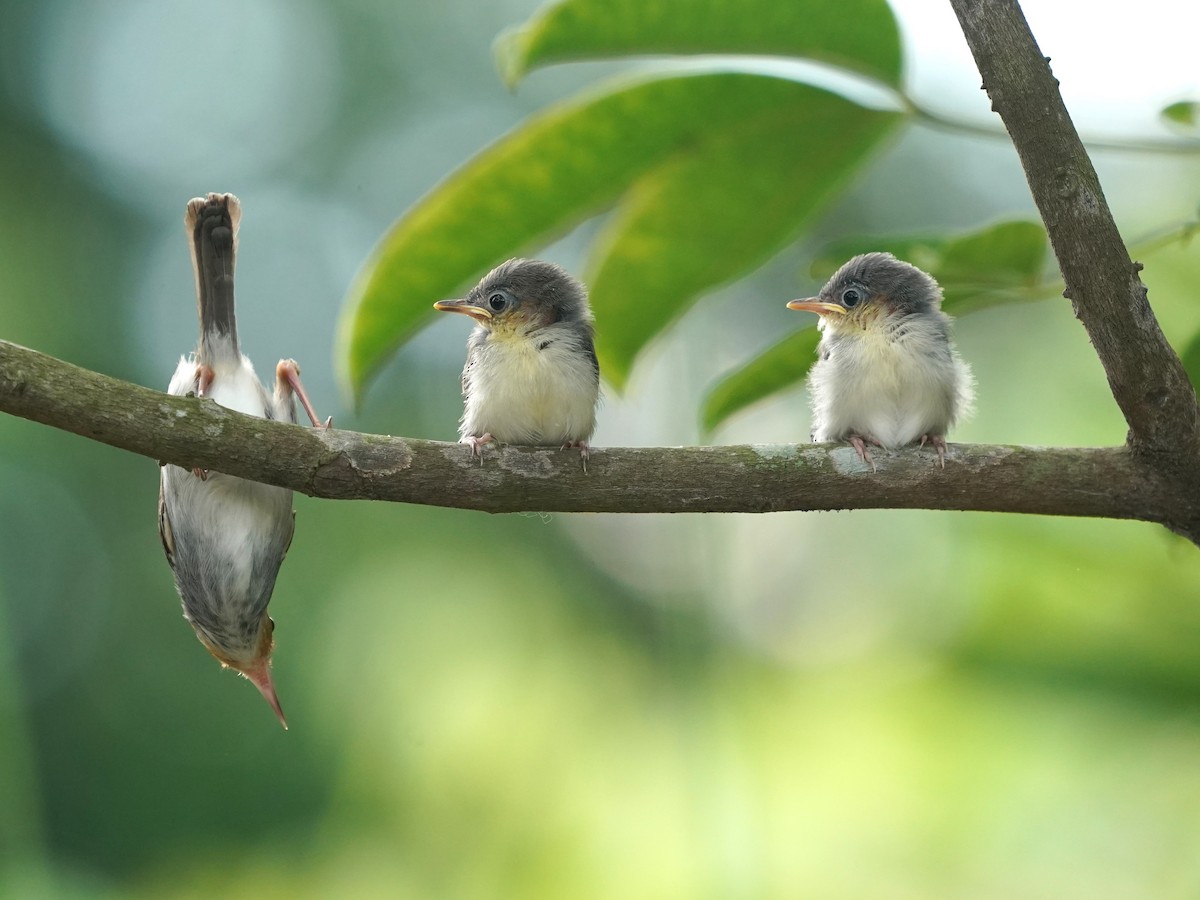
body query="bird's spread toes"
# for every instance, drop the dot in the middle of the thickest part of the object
(585, 452)
(477, 444)
(859, 443)
(939, 444)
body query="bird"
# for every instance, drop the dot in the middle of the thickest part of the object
(225, 537)
(887, 373)
(531, 375)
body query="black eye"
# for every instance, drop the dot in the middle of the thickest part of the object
(497, 301)
(850, 298)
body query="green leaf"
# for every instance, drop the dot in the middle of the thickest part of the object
(1191, 360)
(860, 35)
(999, 264)
(781, 366)
(1183, 115)
(708, 216)
(559, 167)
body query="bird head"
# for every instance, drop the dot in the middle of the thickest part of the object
(252, 660)
(521, 296)
(871, 289)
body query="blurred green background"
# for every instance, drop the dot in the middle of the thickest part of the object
(883, 704)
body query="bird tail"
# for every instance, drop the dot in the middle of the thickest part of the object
(212, 224)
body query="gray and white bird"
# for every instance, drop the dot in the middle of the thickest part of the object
(226, 537)
(888, 373)
(531, 375)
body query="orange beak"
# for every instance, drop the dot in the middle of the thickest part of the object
(816, 305)
(477, 313)
(259, 674)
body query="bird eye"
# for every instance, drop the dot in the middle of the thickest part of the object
(497, 301)
(850, 298)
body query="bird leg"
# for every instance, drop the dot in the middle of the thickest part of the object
(859, 443)
(287, 372)
(204, 380)
(477, 444)
(585, 452)
(939, 444)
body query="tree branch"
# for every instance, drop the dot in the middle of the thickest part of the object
(1145, 375)
(347, 465)
(1155, 478)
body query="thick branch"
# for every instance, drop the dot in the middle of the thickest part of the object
(1146, 377)
(347, 465)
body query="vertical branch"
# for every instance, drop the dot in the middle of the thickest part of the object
(1145, 375)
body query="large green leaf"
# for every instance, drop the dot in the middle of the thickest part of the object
(556, 169)
(1002, 263)
(860, 35)
(781, 366)
(999, 264)
(708, 216)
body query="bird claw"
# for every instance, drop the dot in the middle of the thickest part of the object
(859, 443)
(939, 444)
(287, 380)
(477, 444)
(585, 452)
(204, 380)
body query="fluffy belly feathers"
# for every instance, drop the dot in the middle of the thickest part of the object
(872, 387)
(522, 395)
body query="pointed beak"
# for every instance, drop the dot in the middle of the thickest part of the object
(818, 306)
(259, 674)
(462, 306)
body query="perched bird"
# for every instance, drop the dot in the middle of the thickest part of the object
(888, 373)
(531, 375)
(226, 537)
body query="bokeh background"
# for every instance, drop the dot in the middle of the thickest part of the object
(867, 704)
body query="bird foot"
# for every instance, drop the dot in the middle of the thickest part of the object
(585, 452)
(202, 474)
(287, 377)
(477, 444)
(859, 443)
(939, 444)
(204, 380)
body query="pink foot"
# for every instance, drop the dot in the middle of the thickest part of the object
(477, 444)
(585, 452)
(287, 381)
(859, 443)
(204, 380)
(939, 444)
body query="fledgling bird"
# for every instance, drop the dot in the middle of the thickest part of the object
(531, 375)
(226, 537)
(888, 372)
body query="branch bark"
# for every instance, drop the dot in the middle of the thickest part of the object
(347, 465)
(1146, 377)
(1155, 477)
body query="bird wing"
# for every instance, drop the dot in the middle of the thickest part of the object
(291, 535)
(588, 346)
(472, 362)
(165, 534)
